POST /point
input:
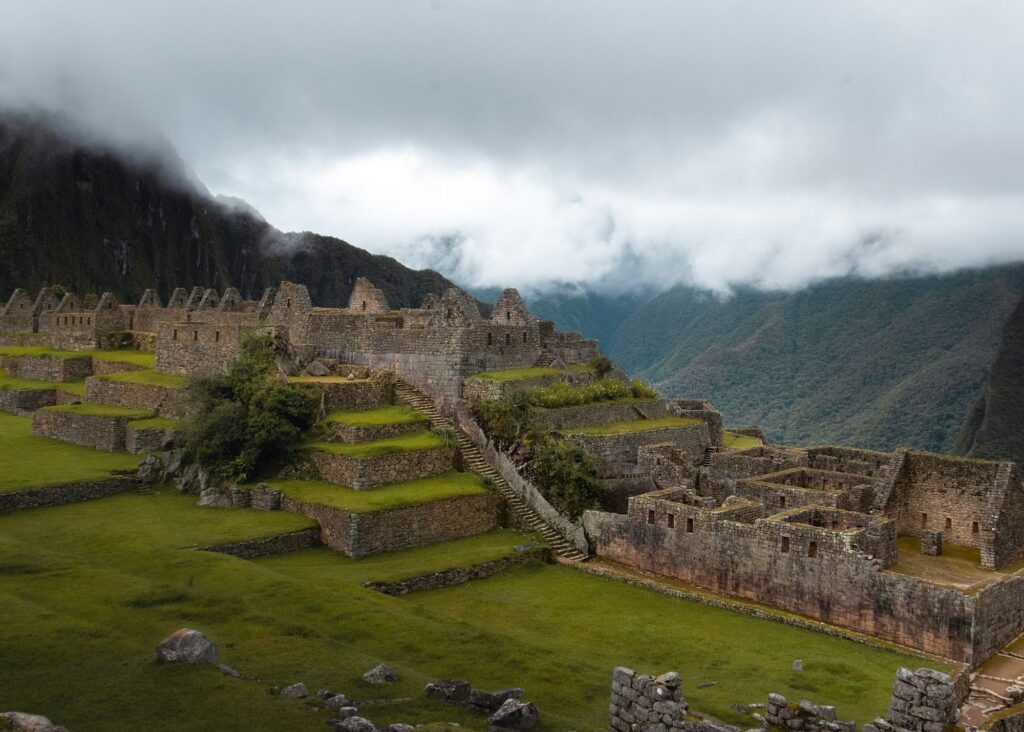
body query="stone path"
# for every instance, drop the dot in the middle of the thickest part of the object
(990, 683)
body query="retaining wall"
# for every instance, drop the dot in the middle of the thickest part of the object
(363, 473)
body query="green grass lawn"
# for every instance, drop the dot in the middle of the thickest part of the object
(526, 373)
(138, 358)
(30, 462)
(146, 359)
(422, 440)
(104, 410)
(739, 442)
(88, 591)
(408, 493)
(153, 422)
(148, 376)
(71, 387)
(636, 425)
(391, 414)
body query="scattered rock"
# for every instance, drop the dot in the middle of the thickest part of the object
(523, 548)
(798, 665)
(491, 701)
(150, 469)
(380, 674)
(706, 684)
(355, 724)
(193, 479)
(317, 368)
(30, 722)
(450, 691)
(325, 693)
(336, 701)
(514, 714)
(186, 646)
(295, 691)
(214, 497)
(227, 670)
(400, 727)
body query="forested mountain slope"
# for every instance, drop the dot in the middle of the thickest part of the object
(92, 219)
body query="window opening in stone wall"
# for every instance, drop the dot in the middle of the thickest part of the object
(671, 521)
(785, 544)
(812, 549)
(490, 339)
(508, 339)
(174, 334)
(782, 501)
(216, 336)
(195, 335)
(288, 303)
(524, 336)
(689, 526)
(650, 517)
(949, 523)
(974, 527)
(364, 304)
(508, 315)
(924, 521)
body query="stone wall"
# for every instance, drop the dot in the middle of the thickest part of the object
(362, 534)
(806, 716)
(22, 401)
(458, 576)
(624, 447)
(834, 581)
(351, 434)
(282, 544)
(922, 701)
(60, 495)
(351, 395)
(599, 413)
(98, 431)
(148, 439)
(642, 703)
(165, 401)
(363, 473)
(44, 368)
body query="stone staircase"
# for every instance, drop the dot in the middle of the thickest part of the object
(475, 461)
(709, 453)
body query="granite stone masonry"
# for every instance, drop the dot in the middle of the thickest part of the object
(61, 495)
(98, 431)
(370, 472)
(922, 701)
(642, 703)
(269, 546)
(780, 713)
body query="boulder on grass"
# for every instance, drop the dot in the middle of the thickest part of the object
(186, 646)
(513, 714)
(354, 724)
(29, 722)
(491, 701)
(450, 691)
(295, 691)
(380, 674)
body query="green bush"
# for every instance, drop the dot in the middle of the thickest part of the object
(564, 395)
(566, 475)
(247, 421)
(601, 366)
(642, 390)
(506, 421)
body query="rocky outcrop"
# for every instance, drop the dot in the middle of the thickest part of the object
(187, 646)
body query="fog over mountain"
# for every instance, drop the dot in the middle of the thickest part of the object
(611, 146)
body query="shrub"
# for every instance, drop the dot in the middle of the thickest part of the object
(642, 390)
(566, 475)
(506, 421)
(601, 366)
(246, 421)
(564, 395)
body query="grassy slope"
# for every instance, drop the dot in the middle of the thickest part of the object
(408, 493)
(422, 440)
(137, 358)
(739, 442)
(27, 461)
(72, 387)
(148, 376)
(306, 616)
(391, 414)
(152, 422)
(636, 425)
(874, 363)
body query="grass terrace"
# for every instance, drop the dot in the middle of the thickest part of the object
(101, 410)
(422, 440)
(527, 373)
(325, 380)
(636, 425)
(71, 387)
(739, 442)
(383, 498)
(391, 414)
(151, 377)
(306, 616)
(137, 358)
(27, 461)
(155, 423)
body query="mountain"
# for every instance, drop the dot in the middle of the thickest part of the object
(90, 218)
(877, 363)
(994, 427)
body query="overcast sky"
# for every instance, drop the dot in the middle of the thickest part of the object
(627, 144)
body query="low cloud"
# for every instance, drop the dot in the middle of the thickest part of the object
(585, 142)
